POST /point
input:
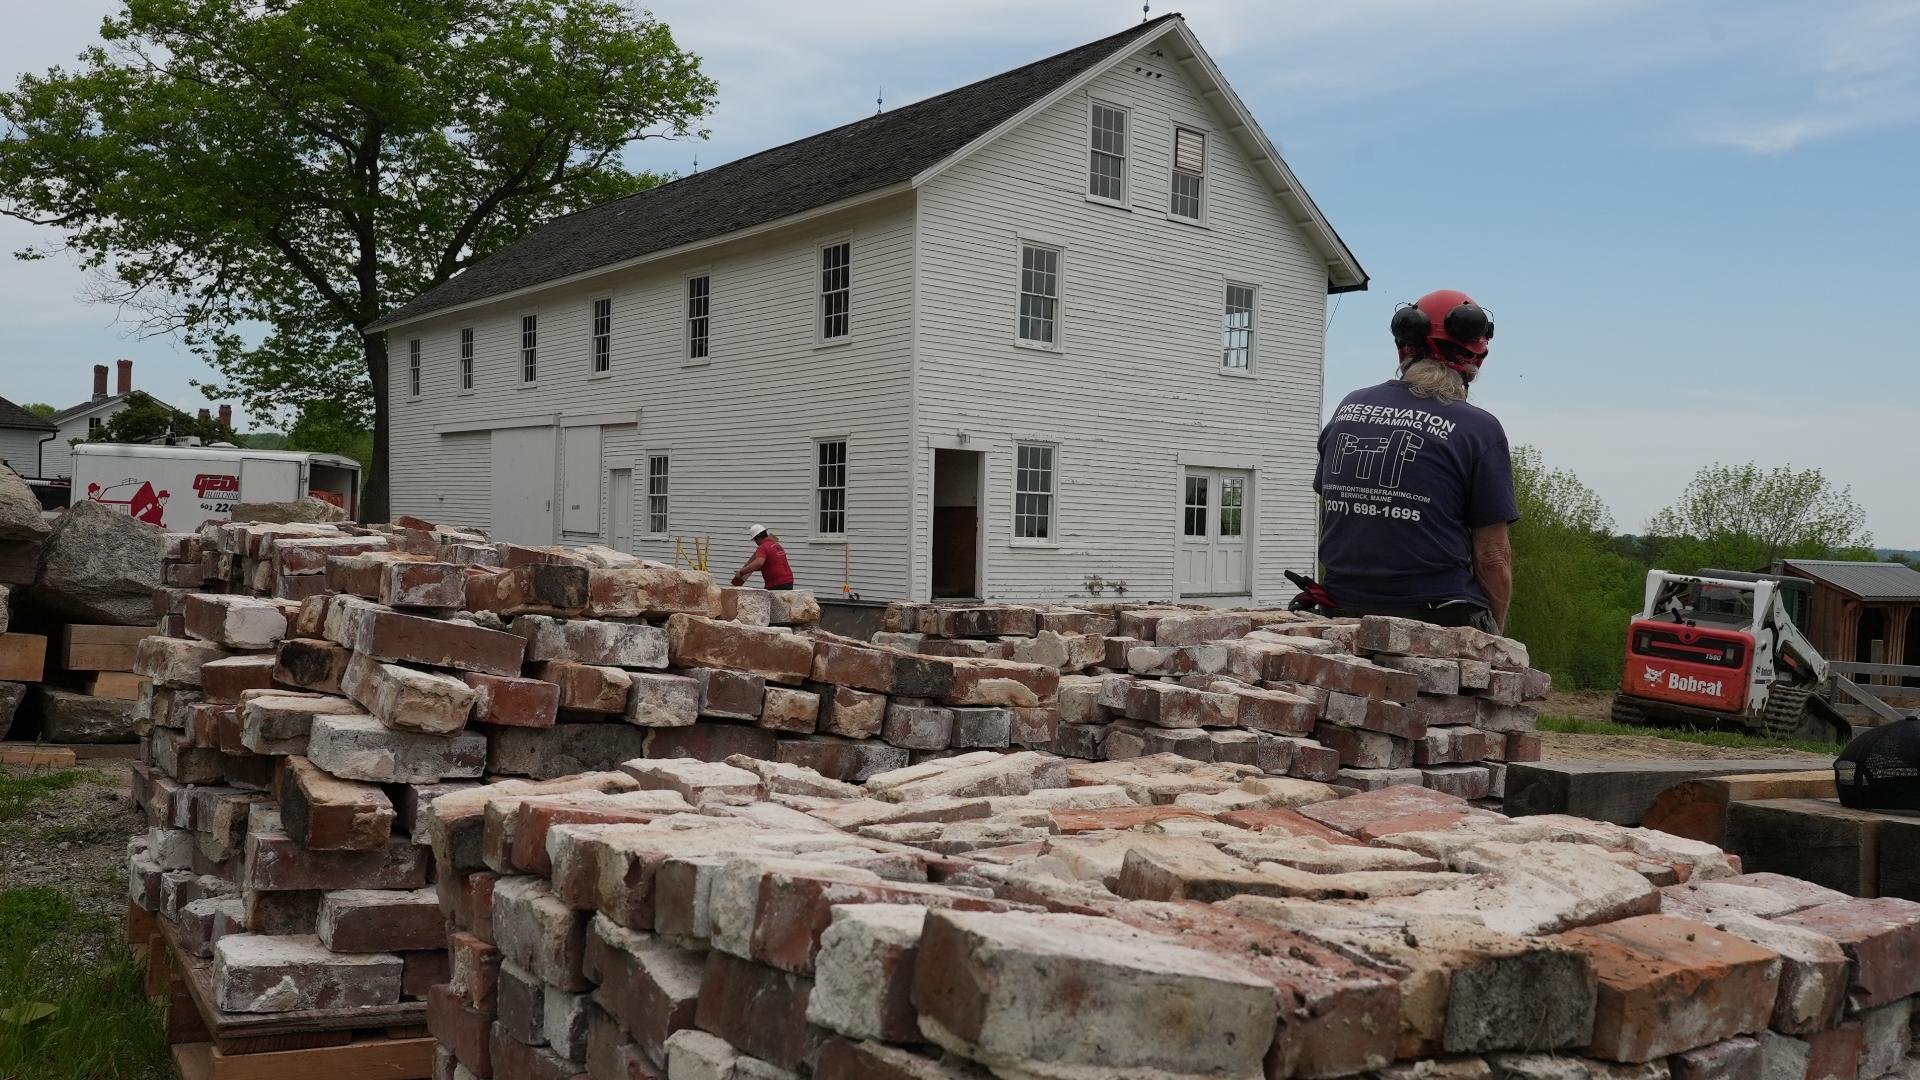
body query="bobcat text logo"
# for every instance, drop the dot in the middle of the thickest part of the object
(1692, 685)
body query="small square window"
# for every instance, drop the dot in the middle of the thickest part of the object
(699, 305)
(830, 487)
(836, 289)
(1033, 491)
(603, 334)
(529, 348)
(466, 358)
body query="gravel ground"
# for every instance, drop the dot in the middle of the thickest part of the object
(76, 841)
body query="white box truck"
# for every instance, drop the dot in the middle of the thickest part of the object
(180, 488)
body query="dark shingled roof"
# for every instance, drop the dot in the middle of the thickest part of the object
(1871, 581)
(13, 416)
(816, 171)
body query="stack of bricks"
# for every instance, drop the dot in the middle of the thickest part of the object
(1366, 702)
(1024, 915)
(312, 687)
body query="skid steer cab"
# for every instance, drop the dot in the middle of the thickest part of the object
(1720, 649)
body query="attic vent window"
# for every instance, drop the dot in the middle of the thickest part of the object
(1107, 163)
(1189, 174)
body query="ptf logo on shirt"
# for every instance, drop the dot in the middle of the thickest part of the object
(1382, 459)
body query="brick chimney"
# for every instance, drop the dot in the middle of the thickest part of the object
(205, 415)
(126, 378)
(226, 416)
(99, 382)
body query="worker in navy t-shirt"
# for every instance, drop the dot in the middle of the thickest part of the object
(769, 558)
(1416, 483)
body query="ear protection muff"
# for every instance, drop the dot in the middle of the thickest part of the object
(1469, 322)
(1466, 322)
(1410, 325)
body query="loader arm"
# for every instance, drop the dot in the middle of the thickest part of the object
(1792, 649)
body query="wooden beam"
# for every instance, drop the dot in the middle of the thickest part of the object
(57, 757)
(1622, 791)
(372, 1059)
(1697, 809)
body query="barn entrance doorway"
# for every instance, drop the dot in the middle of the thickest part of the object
(957, 500)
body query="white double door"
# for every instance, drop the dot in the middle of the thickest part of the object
(1214, 519)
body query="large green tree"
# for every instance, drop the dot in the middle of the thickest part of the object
(268, 177)
(1572, 590)
(147, 419)
(1743, 517)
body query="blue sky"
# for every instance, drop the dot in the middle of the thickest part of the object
(1695, 221)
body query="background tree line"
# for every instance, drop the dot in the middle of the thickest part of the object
(1577, 582)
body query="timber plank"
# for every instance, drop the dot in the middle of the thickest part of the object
(95, 647)
(1621, 791)
(372, 1059)
(270, 1031)
(23, 657)
(1900, 856)
(1817, 840)
(57, 757)
(1697, 809)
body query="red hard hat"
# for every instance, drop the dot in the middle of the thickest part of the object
(1446, 324)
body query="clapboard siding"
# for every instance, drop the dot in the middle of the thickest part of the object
(20, 449)
(739, 429)
(1137, 382)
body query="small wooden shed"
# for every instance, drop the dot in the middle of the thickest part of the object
(1863, 612)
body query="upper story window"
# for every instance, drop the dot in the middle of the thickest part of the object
(830, 487)
(603, 334)
(836, 289)
(94, 423)
(1039, 294)
(466, 358)
(529, 348)
(1189, 174)
(699, 306)
(1107, 163)
(413, 367)
(1236, 329)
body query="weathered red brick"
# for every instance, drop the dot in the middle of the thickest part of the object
(586, 687)
(462, 1029)
(651, 592)
(513, 701)
(693, 641)
(1668, 985)
(761, 1010)
(1882, 939)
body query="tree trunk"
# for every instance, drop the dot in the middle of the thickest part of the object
(373, 493)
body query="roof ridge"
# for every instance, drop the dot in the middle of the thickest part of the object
(929, 100)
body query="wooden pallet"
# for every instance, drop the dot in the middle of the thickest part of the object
(387, 1042)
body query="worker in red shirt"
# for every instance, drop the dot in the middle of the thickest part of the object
(769, 558)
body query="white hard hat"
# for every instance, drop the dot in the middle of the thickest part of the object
(753, 532)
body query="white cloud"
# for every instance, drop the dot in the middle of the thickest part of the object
(1846, 68)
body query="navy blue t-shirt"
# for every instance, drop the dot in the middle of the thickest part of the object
(1403, 482)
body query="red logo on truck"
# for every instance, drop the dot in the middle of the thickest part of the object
(216, 484)
(136, 497)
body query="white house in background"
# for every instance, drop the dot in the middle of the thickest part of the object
(79, 421)
(21, 433)
(1061, 324)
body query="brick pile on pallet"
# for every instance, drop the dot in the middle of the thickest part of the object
(1029, 916)
(314, 686)
(1367, 703)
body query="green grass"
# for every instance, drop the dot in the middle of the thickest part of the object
(19, 791)
(71, 1000)
(65, 1018)
(1730, 739)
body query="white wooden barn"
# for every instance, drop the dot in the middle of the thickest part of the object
(1058, 325)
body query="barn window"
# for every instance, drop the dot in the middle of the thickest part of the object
(1107, 162)
(1189, 174)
